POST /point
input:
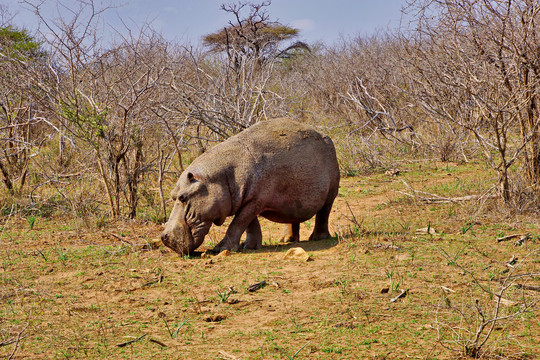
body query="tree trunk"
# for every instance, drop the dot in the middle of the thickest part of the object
(505, 186)
(6, 178)
(160, 185)
(133, 182)
(112, 205)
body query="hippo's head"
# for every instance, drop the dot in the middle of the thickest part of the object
(198, 202)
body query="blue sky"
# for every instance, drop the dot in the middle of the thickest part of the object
(189, 20)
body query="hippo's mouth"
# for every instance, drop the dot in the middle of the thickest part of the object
(179, 239)
(184, 232)
(184, 239)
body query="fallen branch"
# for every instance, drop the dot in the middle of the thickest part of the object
(124, 241)
(17, 341)
(506, 302)
(513, 236)
(441, 200)
(436, 199)
(10, 341)
(447, 289)
(523, 286)
(527, 287)
(158, 342)
(521, 240)
(131, 341)
(510, 263)
(256, 286)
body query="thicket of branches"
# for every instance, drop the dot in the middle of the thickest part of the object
(89, 126)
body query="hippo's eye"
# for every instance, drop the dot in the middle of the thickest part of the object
(193, 177)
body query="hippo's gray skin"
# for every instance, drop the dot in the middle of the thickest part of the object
(280, 169)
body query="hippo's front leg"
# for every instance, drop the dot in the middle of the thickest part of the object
(244, 218)
(253, 235)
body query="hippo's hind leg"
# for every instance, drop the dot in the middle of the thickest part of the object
(291, 233)
(320, 230)
(253, 235)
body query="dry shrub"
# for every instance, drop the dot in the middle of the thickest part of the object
(525, 196)
(130, 114)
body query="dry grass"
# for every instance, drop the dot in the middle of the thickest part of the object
(72, 291)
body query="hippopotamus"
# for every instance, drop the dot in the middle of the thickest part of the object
(280, 169)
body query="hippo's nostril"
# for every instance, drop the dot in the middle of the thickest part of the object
(164, 237)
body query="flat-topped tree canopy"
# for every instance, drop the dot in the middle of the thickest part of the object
(254, 35)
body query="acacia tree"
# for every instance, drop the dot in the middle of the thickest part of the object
(228, 89)
(476, 65)
(254, 36)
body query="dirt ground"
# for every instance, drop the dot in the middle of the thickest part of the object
(73, 291)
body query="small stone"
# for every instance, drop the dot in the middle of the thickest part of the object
(297, 253)
(215, 318)
(392, 172)
(223, 254)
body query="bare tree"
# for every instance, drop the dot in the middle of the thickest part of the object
(475, 65)
(103, 98)
(20, 129)
(6, 16)
(358, 84)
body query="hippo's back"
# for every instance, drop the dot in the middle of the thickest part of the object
(294, 169)
(281, 134)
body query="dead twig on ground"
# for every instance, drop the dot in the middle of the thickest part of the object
(226, 356)
(17, 341)
(123, 241)
(513, 236)
(256, 286)
(527, 287)
(158, 342)
(131, 341)
(403, 294)
(7, 342)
